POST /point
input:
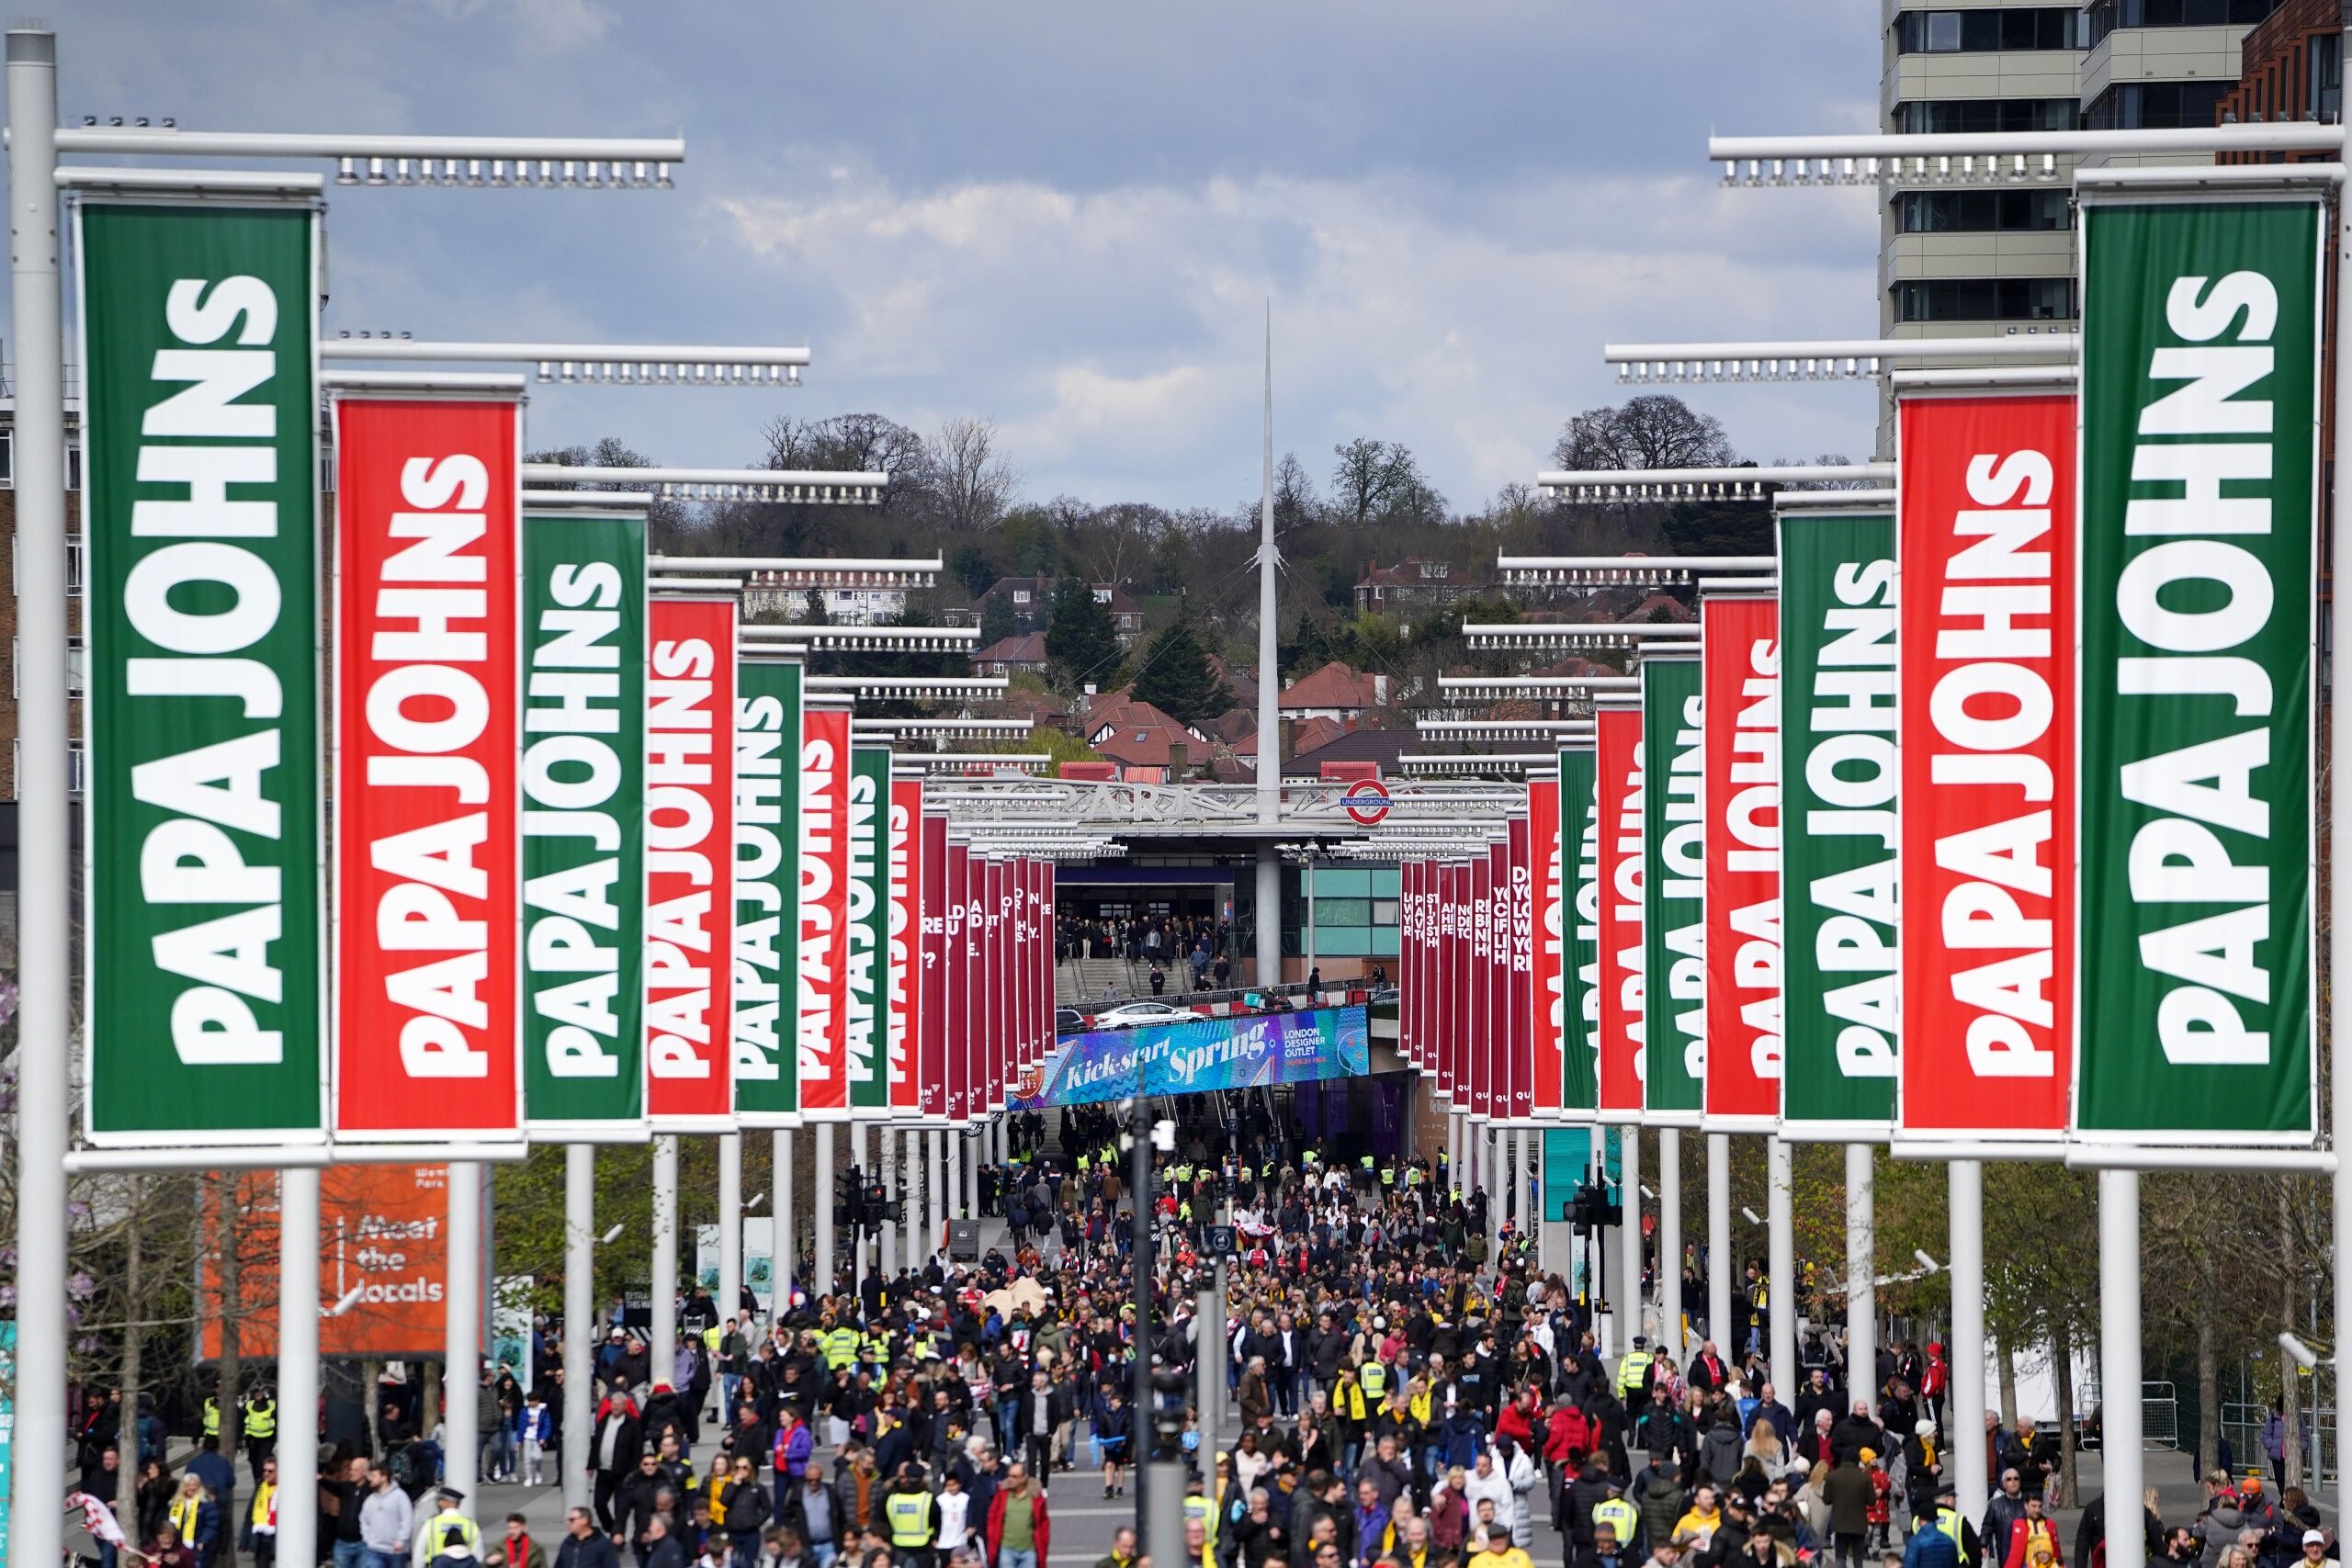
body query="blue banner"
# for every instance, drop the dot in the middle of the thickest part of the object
(1198, 1055)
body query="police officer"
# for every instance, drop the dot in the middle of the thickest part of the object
(1618, 1516)
(1633, 1375)
(911, 1515)
(261, 1428)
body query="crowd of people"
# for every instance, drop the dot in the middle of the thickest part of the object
(1395, 1397)
(1190, 947)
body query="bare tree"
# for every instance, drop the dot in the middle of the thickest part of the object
(1653, 430)
(1378, 480)
(972, 483)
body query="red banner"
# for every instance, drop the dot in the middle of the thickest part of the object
(931, 991)
(1437, 1000)
(427, 817)
(1545, 990)
(1477, 1027)
(689, 864)
(1524, 1060)
(995, 939)
(1742, 754)
(1985, 527)
(1617, 738)
(823, 1033)
(1021, 987)
(906, 936)
(957, 933)
(1500, 1053)
(1049, 959)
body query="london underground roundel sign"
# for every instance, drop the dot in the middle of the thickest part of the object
(1365, 802)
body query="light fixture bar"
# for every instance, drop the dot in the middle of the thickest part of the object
(806, 487)
(1498, 688)
(1871, 498)
(1615, 571)
(1835, 359)
(1011, 728)
(1968, 158)
(1029, 762)
(801, 571)
(1701, 484)
(693, 584)
(483, 162)
(1500, 728)
(594, 363)
(114, 179)
(884, 688)
(1474, 762)
(1567, 635)
(836, 638)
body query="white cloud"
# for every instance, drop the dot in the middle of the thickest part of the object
(1116, 332)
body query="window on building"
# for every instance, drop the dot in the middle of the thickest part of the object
(1982, 211)
(77, 557)
(2323, 93)
(2106, 15)
(1984, 300)
(76, 766)
(1021, 595)
(1939, 117)
(78, 665)
(1983, 30)
(2156, 106)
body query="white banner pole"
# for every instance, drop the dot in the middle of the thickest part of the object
(664, 1346)
(297, 1365)
(1963, 1434)
(1670, 1241)
(579, 1321)
(1629, 1240)
(1780, 1268)
(462, 1351)
(1719, 1328)
(2118, 1364)
(1862, 1268)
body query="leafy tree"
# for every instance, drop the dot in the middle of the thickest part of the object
(1174, 676)
(997, 621)
(1080, 642)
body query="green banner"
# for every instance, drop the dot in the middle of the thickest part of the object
(1839, 774)
(205, 994)
(1581, 922)
(768, 890)
(1674, 892)
(2201, 329)
(583, 820)
(869, 935)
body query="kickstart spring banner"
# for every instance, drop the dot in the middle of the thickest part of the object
(1838, 778)
(1203, 1055)
(2201, 329)
(206, 994)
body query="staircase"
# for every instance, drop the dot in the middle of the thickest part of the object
(1078, 982)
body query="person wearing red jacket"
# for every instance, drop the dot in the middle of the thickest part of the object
(1567, 1437)
(1934, 1382)
(1021, 1535)
(1518, 1419)
(2033, 1539)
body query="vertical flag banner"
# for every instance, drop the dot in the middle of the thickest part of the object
(1546, 910)
(1049, 880)
(1741, 656)
(930, 1005)
(1017, 984)
(1480, 1026)
(427, 812)
(583, 820)
(1674, 922)
(767, 891)
(870, 914)
(823, 987)
(957, 911)
(689, 865)
(905, 993)
(1519, 910)
(1445, 986)
(1985, 543)
(204, 992)
(1837, 789)
(2202, 333)
(994, 938)
(1580, 920)
(1409, 984)
(1617, 735)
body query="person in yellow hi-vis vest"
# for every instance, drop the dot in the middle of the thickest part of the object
(911, 1515)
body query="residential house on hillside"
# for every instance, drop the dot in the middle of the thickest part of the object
(1149, 745)
(1334, 692)
(1032, 600)
(1417, 582)
(1011, 656)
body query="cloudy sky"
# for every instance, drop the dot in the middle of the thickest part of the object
(1066, 215)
